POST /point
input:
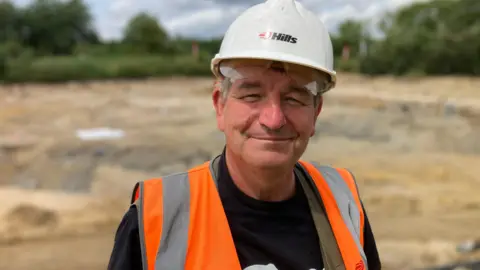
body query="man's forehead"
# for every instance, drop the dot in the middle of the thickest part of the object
(256, 73)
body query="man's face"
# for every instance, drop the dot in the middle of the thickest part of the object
(267, 116)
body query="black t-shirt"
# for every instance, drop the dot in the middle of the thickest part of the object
(282, 233)
(279, 233)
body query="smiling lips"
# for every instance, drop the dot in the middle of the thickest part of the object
(271, 138)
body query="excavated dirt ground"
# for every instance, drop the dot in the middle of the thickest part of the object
(413, 144)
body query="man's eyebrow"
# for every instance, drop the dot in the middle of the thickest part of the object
(249, 84)
(297, 89)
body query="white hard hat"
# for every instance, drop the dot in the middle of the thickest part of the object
(278, 30)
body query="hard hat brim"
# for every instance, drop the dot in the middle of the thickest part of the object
(273, 56)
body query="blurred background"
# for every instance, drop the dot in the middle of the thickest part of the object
(97, 95)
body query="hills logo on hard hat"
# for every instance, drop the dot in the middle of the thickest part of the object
(278, 36)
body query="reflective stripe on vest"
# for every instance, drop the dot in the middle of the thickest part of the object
(183, 225)
(338, 190)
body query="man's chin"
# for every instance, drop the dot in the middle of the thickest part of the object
(270, 157)
(273, 144)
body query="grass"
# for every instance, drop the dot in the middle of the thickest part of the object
(81, 68)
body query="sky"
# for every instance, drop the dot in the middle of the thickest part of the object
(211, 18)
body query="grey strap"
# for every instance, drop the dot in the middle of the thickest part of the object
(331, 256)
(214, 169)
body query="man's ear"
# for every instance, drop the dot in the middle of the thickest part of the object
(318, 110)
(319, 107)
(218, 104)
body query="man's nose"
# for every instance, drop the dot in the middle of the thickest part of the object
(272, 116)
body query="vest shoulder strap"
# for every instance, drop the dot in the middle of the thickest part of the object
(342, 187)
(349, 178)
(331, 256)
(213, 166)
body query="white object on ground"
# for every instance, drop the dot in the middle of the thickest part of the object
(99, 134)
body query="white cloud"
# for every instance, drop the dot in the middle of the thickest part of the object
(210, 18)
(201, 17)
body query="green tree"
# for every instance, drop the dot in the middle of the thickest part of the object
(57, 27)
(352, 33)
(9, 21)
(436, 37)
(144, 34)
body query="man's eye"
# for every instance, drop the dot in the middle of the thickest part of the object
(251, 98)
(294, 101)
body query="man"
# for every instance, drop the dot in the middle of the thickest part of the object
(256, 205)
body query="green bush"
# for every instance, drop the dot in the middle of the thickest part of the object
(351, 65)
(12, 51)
(79, 68)
(3, 63)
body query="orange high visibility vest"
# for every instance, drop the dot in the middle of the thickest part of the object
(182, 223)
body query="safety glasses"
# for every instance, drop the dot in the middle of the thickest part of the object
(310, 79)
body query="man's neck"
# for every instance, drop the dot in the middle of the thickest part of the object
(261, 184)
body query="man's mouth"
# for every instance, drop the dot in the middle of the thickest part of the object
(279, 139)
(269, 137)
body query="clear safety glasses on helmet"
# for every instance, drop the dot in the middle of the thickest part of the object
(310, 79)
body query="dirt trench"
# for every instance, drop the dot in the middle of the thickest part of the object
(415, 157)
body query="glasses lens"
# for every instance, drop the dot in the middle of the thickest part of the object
(304, 77)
